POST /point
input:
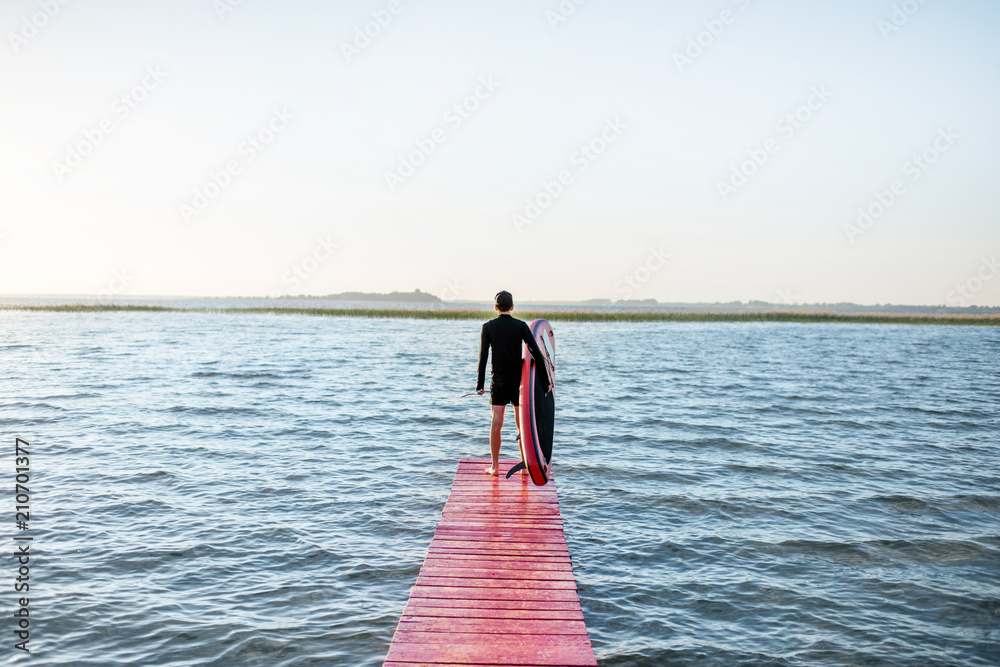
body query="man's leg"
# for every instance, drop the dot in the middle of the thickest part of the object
(517, 423)
(495, 425)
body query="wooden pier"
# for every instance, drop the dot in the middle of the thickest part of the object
(497, 586)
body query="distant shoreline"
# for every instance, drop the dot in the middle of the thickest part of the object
(567, 315)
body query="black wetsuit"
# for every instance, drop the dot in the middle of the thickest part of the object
(504, 335)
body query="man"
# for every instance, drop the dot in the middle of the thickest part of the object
(503, 335)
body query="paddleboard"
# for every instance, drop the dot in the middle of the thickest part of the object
(538, 403)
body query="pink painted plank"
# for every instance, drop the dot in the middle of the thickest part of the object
(501, 512)
(517, 483)
(483, 543)
(563, 557)
(450, 514)
(485, 492)
(446, 539)
(494, 613)
(525, 536)
(488, 499)
(497, 532)
(500, 642)
(393, 663)
(478, 549)
(490, 626)
(503, 571)
(539, 548)
(479, 471)
(478, 475)
(497, 573)
(475, 653)
(494, 497)
(460, 608)
(498, 535)
(482, 464)
(468, 483)
(548, 556)
(472, 506)
(473, 593)
(466, 488)
(507, 488)
(562, 582)
(528, 571)
(461, 558)
(523, 574)
(500, 521)
(487, 523)
(507, 584)
(474, 560)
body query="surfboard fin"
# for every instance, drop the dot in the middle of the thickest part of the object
(519, 466)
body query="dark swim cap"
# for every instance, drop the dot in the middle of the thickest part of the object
(504, 300)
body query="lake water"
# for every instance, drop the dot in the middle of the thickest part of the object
(212, 489)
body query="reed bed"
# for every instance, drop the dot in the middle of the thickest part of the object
(567, 315)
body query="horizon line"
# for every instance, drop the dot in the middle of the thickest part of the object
(649, 302)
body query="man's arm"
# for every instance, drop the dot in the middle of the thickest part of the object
(484, 347)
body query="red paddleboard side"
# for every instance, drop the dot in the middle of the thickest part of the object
(532, 431)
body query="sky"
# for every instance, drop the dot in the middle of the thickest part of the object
(774, 150)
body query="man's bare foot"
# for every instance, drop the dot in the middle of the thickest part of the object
(491, 471)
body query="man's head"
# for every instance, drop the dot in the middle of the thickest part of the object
(504, 301)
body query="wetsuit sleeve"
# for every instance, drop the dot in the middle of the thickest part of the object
(484, 348)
